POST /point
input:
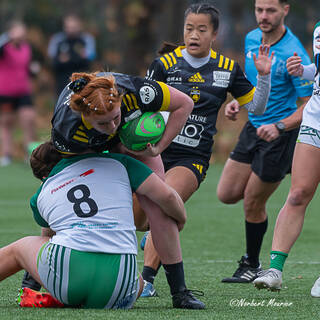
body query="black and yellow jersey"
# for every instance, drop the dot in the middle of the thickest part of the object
(72, 134)
(208, 86)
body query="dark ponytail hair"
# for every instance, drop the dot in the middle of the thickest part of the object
(205, 8)
(43, 159)
(167, 47)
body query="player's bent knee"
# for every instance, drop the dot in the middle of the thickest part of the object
(227, 197)
(299, 197)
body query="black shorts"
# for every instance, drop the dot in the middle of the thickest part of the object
(198, 166)
(14, 103)
(270, 161)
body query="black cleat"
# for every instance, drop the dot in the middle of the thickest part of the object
(244, 274)
(186, 300)
(29, 282)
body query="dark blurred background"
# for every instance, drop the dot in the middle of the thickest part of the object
(128, 34)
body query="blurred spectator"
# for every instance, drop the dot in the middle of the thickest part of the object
(71, 50)
(15, 89)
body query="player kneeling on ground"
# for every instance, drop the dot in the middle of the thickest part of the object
(86, 200)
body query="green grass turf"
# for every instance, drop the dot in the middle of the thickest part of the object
(212, 242)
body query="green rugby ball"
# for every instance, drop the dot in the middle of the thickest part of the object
(147, 128)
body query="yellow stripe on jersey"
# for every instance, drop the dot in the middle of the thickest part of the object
(173, 58)
(166, 96)
(129, 100)
(86, 124)
(220, 61)
(81, 133)
(231, 65)
(81, 127)
(163, 60)
(169, 60)
(64, 152)
(134, 100)
(124, 99)
(213, 54)
(226, 63)
(247, 97)
(178, 51)
(80, 139)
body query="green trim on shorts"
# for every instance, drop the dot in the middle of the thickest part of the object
(61, 271)
(40, 252)
(123, 282)
(55, 268)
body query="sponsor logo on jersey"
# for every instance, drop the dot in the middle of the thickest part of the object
(280, 68)
(196, 78)
(147, 94)
(195, 94)
(68, 98)
(316, 92)
(305, 83)
(82, 175)
(133, 115)
(149, 75)
(174, 70)
(174, 80)
(196, 118)
(221, 79)
(190, 135)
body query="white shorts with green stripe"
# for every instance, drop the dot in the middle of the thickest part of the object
(309, 135)
(89, 279)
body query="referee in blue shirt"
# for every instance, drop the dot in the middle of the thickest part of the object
(264, 152)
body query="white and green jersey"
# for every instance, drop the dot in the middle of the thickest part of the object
(87, 201)
(311, 112)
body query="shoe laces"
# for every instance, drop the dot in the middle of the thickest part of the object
(269, 273)
(243, 265)
(193, 292)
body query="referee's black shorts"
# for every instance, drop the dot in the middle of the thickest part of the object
(270, 161)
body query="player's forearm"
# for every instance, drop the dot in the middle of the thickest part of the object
(173, 206)
(260, 98)
(177, 119)
(295, 119)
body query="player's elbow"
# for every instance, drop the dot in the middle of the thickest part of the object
(188, 104)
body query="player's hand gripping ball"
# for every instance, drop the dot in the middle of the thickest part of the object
(137, 133)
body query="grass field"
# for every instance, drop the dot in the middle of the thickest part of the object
(212, 241)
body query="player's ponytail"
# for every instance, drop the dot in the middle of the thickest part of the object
(167, 47)
(43, 159)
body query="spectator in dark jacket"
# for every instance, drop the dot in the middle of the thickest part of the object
(71, 50)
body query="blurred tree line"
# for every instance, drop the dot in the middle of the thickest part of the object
(129, 32)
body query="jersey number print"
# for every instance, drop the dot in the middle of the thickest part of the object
(79, 195)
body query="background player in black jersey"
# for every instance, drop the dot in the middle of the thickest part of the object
(206, 76)
(87, 116)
